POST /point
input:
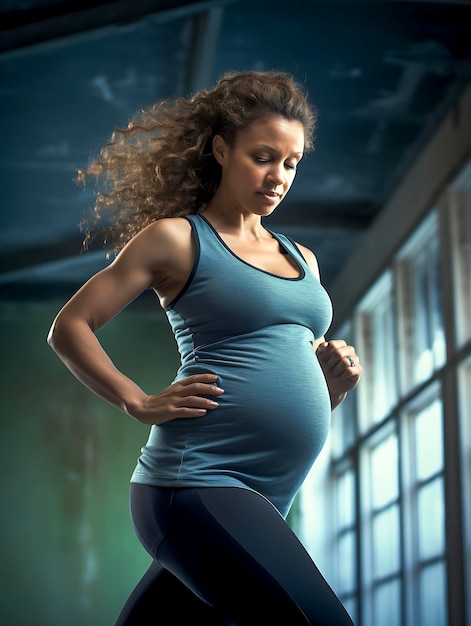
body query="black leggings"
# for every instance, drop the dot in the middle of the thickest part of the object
(223, 556)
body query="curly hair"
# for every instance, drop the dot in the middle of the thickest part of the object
(162, 164)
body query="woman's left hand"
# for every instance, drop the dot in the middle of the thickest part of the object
(341, 367)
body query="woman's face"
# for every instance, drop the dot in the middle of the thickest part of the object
(259, 168)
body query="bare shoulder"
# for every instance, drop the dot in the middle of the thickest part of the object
(171, 230)
(162, 248)
(311, 259)
(166, 250)
(160, 241)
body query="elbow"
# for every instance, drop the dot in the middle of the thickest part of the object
(57, 335)
(66, 330)
(51, 338)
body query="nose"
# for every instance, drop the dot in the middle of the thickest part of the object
(277, 175)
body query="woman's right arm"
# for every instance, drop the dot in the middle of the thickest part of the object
(152, 259)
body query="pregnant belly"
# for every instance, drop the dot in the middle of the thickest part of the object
(275, 399)
(268, 429)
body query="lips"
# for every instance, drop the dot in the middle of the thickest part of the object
(271, 196)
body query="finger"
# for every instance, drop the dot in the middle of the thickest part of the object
(336, 344)
(331, 346)
(350, 361)
(193, 406)
(198, 402)
(203, 389)
(199, 378)
(189, 413)
(204, 384)
(331, 357)
(189, 406)
(347, 362)
(340, 360)
(348, 371)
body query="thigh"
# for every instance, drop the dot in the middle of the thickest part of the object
(236, 552)
(161, 599)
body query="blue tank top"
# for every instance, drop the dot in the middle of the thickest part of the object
(255, 331)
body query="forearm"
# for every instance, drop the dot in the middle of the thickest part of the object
(80, 350)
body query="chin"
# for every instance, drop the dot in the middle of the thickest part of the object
(268, 212)
(271, 208)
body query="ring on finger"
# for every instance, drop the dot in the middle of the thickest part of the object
(351, 361)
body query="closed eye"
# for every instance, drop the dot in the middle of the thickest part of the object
(289, 166)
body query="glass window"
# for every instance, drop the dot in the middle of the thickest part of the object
(432, 596)
(381, 526)
(377, 348)
(345, 538)
(347, 560)
(383, 468)
(428, 455)
(346, 532)
(428, 431)
(346, 499)
(343, 425)
(386, 546)
(425, 515)
(431, 520)
(460, 198)
(464, 381)
(389, 459)
(422, 329)
(387, 604)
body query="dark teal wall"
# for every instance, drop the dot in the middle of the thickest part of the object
(69, 556)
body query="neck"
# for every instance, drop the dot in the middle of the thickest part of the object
(236, 223)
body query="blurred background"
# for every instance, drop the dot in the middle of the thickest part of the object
(385, 203)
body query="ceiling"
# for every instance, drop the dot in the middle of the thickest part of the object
(382, 75)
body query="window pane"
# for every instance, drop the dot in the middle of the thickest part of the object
(432, 596)
(437, 329)
(383, 469)
(383, 347)
(343, 425)
(429, 344)
(387, 604)
(420, 293)
(377, 346)
(423, 357)
(346, 499)
(431, 515)
(347, 560)
(386, 550)
(461, 229)
(429, 440)
(465, 424)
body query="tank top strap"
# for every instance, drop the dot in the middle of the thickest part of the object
(291, 247)
(202, 230)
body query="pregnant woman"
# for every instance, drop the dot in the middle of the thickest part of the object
(234, 435)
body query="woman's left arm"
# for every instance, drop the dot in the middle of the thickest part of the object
(338, 360)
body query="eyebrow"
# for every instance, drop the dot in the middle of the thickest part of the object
(275, 151)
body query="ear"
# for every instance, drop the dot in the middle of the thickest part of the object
(220, 149)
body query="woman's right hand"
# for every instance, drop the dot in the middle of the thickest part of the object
(181, 400)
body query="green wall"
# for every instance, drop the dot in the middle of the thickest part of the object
(69, 555)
